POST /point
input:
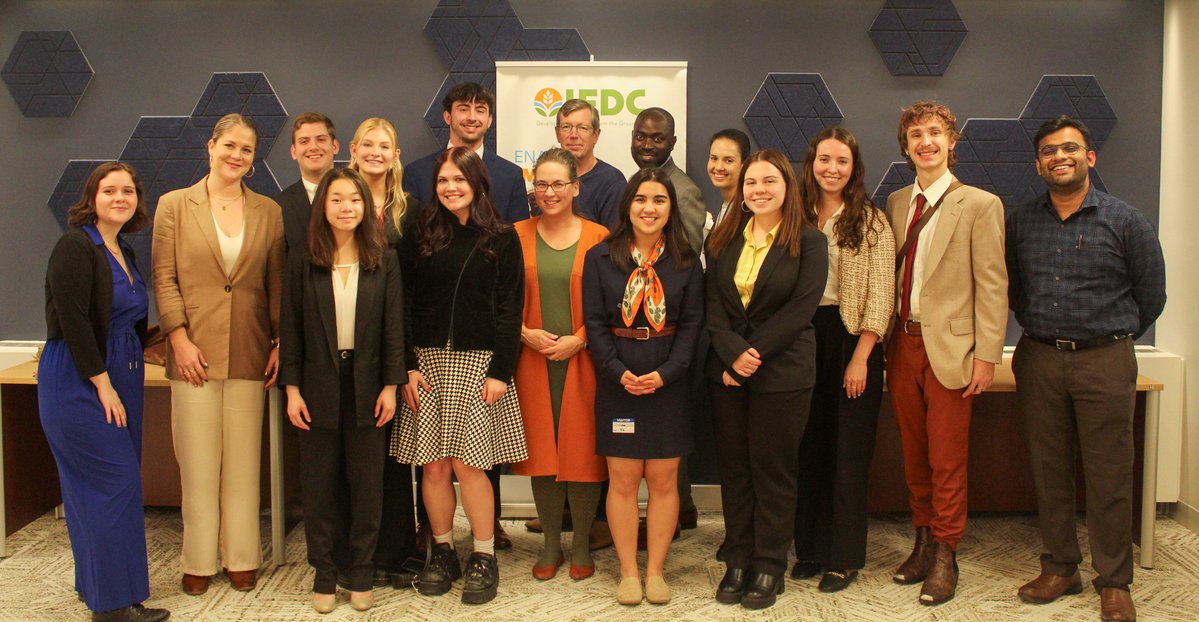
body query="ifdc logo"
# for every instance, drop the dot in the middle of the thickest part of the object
(547, 102)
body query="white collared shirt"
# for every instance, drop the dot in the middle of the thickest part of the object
(310, 188)
(931, 195)
(479, 151)
(832, 285)
(345, 304)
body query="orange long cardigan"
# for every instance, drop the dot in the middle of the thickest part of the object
(572, 455)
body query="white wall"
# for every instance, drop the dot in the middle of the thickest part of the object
(1178, 330)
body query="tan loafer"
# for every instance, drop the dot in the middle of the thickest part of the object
(656, 590)
(628, 592)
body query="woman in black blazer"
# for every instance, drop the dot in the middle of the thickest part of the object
(342, 358)
(766, 273)
(90, 385)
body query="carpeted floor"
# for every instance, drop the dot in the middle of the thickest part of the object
(997, 556)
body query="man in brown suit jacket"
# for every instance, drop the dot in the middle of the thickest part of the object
(951, 300)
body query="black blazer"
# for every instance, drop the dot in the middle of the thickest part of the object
(778, 321)
(79, 299)
(308, 356)
(297, 210)
(461, 293)
(507, 184)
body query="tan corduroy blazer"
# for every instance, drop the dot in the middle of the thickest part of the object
(866, 285)
(232, 319)
(963, 302)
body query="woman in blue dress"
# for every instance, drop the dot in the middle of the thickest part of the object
(90, 385)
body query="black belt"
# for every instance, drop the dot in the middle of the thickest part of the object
(345, 355)
(1074, 345)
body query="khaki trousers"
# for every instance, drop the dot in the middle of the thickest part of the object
(217, 430)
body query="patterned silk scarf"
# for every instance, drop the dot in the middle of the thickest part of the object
(644, 286)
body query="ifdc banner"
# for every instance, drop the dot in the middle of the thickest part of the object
(529, 94)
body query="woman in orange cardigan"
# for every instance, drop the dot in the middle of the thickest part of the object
(555, 373)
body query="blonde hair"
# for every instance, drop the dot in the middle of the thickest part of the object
(394, 199)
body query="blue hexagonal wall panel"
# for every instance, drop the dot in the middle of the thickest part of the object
(898, 175)
(789, 109)
(47, 73)
(171, 152)
(470, 35)
(918, 37)
(997, 156)
(1076, 96)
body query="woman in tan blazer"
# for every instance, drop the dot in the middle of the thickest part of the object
(854, 311)
(218, 280)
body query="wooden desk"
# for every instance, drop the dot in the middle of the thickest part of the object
(31, 481)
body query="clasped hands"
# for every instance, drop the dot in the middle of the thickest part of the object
(551, 346)
(745, 365)
(641, 385)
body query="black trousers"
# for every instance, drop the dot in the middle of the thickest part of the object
(757, 441)
(397, 533)
(1081, 402)
(348, 456)
(835, 454)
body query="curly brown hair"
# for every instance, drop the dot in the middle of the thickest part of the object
(84, 210)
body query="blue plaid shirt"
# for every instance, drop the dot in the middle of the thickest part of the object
(1100, 272)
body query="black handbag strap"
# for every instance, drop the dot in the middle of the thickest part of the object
(924, 218)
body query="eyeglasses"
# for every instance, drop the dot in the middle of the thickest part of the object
(1071, 148)
(583, 129)
(559, 186)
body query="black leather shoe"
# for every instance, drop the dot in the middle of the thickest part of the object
(440, 573)
(380, 577)
(761, 591)
(837, 580)
(132, 613)
(482, 579)
(731, 586)
(805, 569)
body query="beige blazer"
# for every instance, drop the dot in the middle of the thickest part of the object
(232, 319)
(963, 303)
(866, 279)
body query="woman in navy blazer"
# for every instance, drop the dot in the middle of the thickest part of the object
(342, 358)
(766, 273)
(643, 308)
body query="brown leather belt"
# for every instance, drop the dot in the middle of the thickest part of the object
(911, 328)
(644, 333)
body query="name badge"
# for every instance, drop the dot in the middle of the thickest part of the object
(623, 426)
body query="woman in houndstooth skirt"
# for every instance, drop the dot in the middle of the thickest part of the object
(464, 290)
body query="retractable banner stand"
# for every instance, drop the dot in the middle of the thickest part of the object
(529, 94)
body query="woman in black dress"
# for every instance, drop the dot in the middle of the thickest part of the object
(464, 293)
(643, 308)
(766, 273)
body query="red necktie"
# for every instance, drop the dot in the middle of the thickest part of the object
(905, 306)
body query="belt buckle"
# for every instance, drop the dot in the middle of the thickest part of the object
(1065, 345)
(907, 323)
(639, 337)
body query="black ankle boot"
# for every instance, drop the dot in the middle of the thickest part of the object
(440, 573)
(731, 586)
(482, 579)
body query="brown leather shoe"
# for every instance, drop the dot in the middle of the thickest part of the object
(942, 581)
(242, 580)
(1115, 605)
(502, 541)
(194, 585)
(600, 537)
(1048, 587)
(915, 568)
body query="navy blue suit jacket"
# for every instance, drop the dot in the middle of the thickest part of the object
(507, 184)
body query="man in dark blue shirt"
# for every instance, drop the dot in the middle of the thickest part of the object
(1086, 278)
(600, 183)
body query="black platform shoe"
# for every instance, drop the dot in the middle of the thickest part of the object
(442, 571)
(731, 586)
(761, 591)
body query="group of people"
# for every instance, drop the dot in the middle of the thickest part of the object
(438, 315)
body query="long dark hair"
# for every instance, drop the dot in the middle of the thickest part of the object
(621, 238)
(848, 228)
(368, 237)
(83, 212)
(435, 224)
(795, 218)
